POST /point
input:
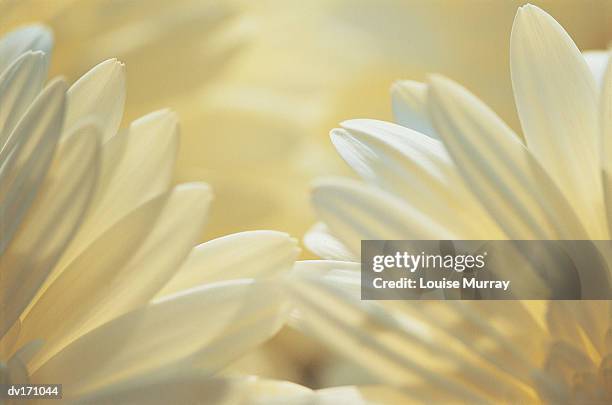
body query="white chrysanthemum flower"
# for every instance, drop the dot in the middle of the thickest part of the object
(454, 170)
(101, 286)
(462, 173)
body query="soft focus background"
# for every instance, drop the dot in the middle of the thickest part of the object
(259, 84)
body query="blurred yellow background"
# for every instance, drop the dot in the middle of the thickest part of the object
(259, 84)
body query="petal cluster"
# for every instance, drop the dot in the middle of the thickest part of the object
(103, 285)
(452, 169)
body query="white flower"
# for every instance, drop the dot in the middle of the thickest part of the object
(101, 284)
(467, 175)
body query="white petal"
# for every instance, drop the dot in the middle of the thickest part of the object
(598, 62)
(99, 93)
(394, 350)
(367, 145)
(254, 254)
(121, 270)
(345, 274)
(499, 169)
(137, 166)
(398, 341)
(204, 328)
(322, 243)
(557, 101)
(27, 154)
(417, 169)
(27, 38)
(50, 223)
(409, 100)
(606, 140)
(355, 212)
(19, 85)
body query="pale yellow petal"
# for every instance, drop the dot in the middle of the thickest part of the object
(253, 254)
(354, 212)
(499, 169)
(26, 155)
(121, 270)
(19, 85)
(206, 327)
(557, 102)
(50, 223)
(418, 170)
(478, 360)
(99, 93)
(397, 352)
(409, 101)
(346, 274)
(598, 62)
(606, 142)
(322, 243)
(26, 38)
(137, 166)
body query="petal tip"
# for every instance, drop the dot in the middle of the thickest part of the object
(337, 134)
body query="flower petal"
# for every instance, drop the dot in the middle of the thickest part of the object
(121, 270)
(606, 140)
(27, 38)
(418, 170)
(322, 243)
(346, 274)
(19, 85)
(500, 170)
(557, 102)
(598, 62)
(354, 212)
(27, 154)
(137, 166)
(99, 93)
(398, 350)
(50, 223)
(409, 100)
(206, 327)
(254, 254)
